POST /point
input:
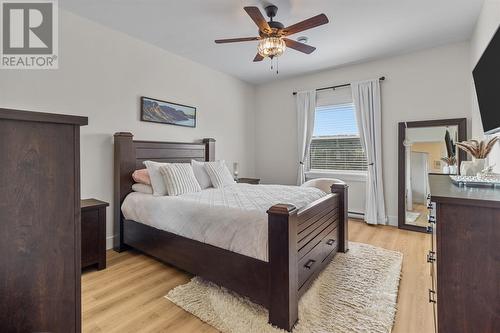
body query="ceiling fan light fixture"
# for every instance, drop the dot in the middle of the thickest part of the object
(271, 47)
(273, 35)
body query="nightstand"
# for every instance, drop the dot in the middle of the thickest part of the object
(93, 233)
(254, 181)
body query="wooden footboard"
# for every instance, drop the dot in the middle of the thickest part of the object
(301, 243)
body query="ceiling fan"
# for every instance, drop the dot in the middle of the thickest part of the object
(272, 35)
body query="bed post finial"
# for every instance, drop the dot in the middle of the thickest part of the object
(124, 134)
(283, 264)
(209, 149)
(124, 165)
(341, 188)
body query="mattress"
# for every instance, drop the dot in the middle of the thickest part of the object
(233, 218)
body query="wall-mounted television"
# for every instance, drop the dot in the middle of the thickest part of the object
(487, 81)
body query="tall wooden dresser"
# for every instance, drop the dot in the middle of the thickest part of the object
(39, 222)
(465, 257)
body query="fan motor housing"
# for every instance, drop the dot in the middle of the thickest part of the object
(276, 25)
(271, 11)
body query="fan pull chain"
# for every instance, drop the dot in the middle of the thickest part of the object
(277, 65)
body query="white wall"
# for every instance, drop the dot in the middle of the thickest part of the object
(430, 84)
(103, 73)
(487, 25)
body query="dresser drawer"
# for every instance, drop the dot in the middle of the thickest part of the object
(318, 238)
(310, 262)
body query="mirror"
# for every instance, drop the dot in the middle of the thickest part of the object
(425, 147)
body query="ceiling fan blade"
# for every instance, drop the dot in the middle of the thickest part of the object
(258, 57)
(306, 24)
(234, 40)
(257, 17)
(299, 46)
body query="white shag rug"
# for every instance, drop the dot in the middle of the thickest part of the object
(356, 292)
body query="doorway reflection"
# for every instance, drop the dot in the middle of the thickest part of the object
(428, 150)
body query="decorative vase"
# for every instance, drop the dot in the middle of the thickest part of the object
(446, 169)
(466, 168)
(478, 164)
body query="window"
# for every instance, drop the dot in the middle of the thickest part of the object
(336, 144)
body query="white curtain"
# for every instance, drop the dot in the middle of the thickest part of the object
(366, 97)
(306, 105)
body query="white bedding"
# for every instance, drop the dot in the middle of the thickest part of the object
(233, 218)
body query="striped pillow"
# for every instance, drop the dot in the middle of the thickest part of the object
(219, 174)
(179, 178)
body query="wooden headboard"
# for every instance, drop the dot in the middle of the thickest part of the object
(129, 155)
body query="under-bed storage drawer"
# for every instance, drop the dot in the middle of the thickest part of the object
(310, 262)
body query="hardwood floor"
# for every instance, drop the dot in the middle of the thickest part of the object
(128, 295)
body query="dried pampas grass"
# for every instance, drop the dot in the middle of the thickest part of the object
(452, 160)
(478, 149)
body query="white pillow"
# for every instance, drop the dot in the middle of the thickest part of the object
(142, 188)
(219, 174)
(157, 182)
(179, 178)
(201, 174)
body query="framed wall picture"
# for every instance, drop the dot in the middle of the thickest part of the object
(157, 111)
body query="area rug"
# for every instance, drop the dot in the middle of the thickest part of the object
(357, 292)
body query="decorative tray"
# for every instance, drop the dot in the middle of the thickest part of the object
(491, 180)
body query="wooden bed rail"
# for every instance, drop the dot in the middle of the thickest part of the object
(301, 243)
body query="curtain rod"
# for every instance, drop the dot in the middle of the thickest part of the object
(339, 86)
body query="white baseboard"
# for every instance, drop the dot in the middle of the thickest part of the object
(109, 242)
(392, 220)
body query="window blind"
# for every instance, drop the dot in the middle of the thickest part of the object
(336, 144)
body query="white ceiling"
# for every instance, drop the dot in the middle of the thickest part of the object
(359, 30)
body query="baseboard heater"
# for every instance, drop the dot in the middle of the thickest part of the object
(356, 215)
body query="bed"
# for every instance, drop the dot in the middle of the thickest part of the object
(283, 253)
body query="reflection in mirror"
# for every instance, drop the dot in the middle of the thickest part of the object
(425, 147)
(427, 150)
(438, 144)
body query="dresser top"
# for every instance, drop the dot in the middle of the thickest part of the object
(42, 117)
(444, 190)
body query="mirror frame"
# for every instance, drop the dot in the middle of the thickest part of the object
(462, 136)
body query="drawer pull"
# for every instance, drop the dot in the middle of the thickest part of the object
(429, 229)
(432, 219)
(432, 298)
(309, 264)
(330, 242)
(431, 257)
